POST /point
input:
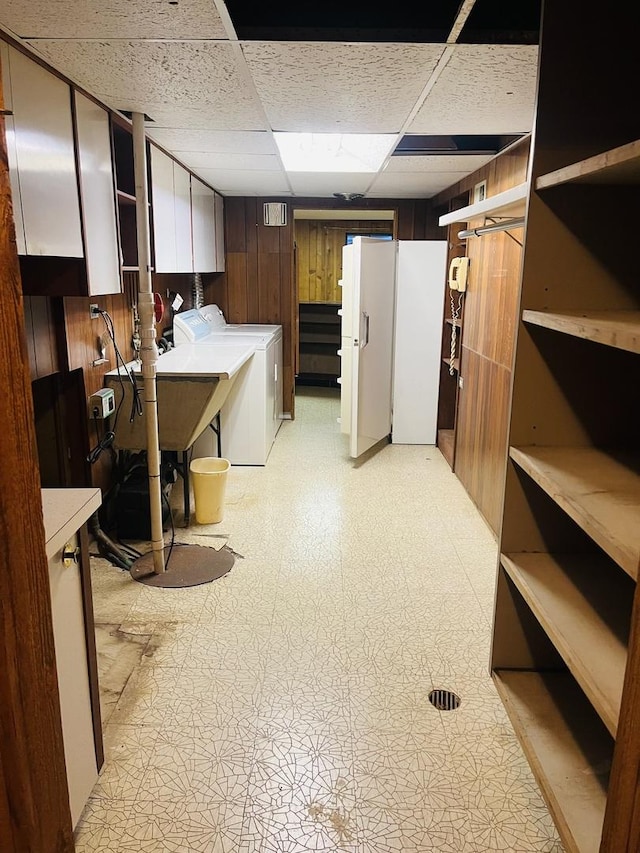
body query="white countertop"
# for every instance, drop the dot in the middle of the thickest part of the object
(65, 511)
(199, 360)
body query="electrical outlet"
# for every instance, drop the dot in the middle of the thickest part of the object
(102, 403)
(94, 311)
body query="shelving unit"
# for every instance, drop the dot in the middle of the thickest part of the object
(125, 195)
(565, 655)
(320, 329)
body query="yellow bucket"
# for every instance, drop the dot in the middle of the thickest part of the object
(209, 477)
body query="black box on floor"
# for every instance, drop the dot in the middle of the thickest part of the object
(133, 513)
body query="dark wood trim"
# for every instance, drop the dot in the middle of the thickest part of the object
(33, 772)
(90, 638)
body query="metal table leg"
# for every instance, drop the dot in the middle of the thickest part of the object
(215, 426)
(185, 487)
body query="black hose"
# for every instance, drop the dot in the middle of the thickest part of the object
(106, 547)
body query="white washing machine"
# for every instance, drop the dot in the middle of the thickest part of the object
(252, 413)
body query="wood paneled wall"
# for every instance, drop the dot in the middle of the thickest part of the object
(62, 344)
(259, 285)
(319, 254)
(40, 335)
(490, 320)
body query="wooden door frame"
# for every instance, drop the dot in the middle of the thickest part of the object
(34, 801)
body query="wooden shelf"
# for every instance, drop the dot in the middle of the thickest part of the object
(456, 323)
(125, 198)
(599, 492)
(569, 760)
(620, 329)
(318, 302)
(511, 202)
(583, 604)
(617, 166)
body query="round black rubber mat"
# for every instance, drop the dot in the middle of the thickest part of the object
(187, 565)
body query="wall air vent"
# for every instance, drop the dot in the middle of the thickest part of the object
(275, 213)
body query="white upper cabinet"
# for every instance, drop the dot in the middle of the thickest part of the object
(219, 226)
(43, 148)
(188, 230)
(171, 206)
(182, 206)
(203, 223)
(163, 206)
(98, 197)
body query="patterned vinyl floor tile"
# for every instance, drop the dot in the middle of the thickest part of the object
(284, 708)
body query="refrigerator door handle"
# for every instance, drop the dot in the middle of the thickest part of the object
(365, 317)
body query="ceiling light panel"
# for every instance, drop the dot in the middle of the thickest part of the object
(333, 152)
(483, 89)
(341, 88)
(111, 19)
(154, 77)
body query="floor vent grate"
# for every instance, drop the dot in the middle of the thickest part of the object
(444, 700)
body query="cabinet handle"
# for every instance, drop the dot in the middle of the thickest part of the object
(70, 554)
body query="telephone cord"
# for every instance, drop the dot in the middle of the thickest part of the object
(455, 314)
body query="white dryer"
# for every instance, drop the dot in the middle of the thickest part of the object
(252, 413)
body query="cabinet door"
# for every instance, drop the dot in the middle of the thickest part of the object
(98, 197)
(219, 230)
(203, 226)
(11, 150)
(45, 159)
(164, 230)
(67, 610)
(182, 213)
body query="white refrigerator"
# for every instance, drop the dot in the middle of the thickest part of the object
(391, 343)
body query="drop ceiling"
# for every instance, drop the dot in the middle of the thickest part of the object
(454, 82)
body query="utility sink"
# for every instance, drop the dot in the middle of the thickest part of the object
(192, 384)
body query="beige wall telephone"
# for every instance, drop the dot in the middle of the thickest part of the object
(458, 269)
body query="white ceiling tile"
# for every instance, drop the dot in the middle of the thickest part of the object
(416, 185)
(207, 117)
(331, 87)
(107, 19)
(323, 184)
(483, 89)
(251, 162)
(438, 163)
(240, 182)
(155, 77)
(213, 141)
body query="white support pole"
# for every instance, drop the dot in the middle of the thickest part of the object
(148, 348)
